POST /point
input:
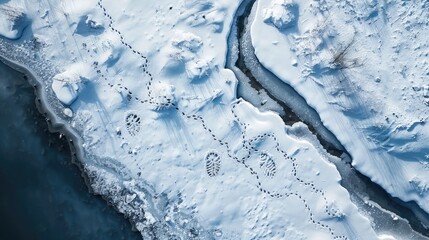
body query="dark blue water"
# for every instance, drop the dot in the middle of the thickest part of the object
(42, 194)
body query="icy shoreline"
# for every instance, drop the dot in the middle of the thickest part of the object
(92, 179)
(56, 125)
(44, 190)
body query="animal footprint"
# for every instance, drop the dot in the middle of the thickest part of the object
(133, 123)
(212, 164)
(267, 164)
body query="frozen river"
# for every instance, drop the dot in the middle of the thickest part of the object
(42, 194)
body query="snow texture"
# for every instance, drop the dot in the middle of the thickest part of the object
(164, 138)
(281, 13)
(363, 66)
(13, 20)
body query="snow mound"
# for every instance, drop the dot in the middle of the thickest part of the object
(420, 185)
(163, 96)
(13, 21)
(198, 69)
(281, 13)
(187, 41)
(66, 85)
(184, 55)
(68, 112)
(368, 86)
(65, 91)
(386, 237)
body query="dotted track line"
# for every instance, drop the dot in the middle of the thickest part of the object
(247, 144)
(294, 171)
(120, 34)
(294, 166)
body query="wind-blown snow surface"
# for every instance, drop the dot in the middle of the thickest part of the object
(13, 20)
(163, 136)
(363, 65)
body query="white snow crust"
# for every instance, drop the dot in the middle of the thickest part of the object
(363, 65)
(12, 20)
(166, 140)
(281, 13)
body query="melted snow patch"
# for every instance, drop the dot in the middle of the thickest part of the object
(187, 41)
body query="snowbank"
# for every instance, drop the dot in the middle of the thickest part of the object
(363, 69)
(66, 92)
(164, 137)
(13, 20)
(281, 13)
(68, 84)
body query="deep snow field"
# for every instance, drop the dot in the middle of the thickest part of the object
(142, 90)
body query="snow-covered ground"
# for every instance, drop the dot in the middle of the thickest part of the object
(143, 87)
(363, 65)
(13, 20)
